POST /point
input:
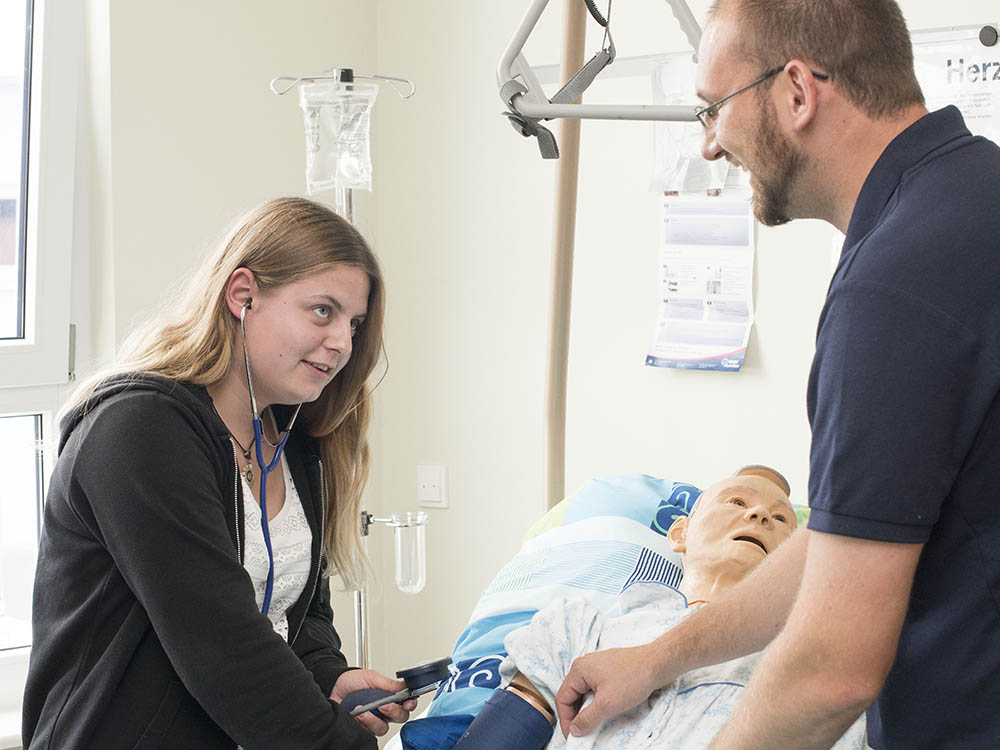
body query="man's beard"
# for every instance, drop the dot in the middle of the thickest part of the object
(784, 164)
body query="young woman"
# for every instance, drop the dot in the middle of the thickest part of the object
(165, 616)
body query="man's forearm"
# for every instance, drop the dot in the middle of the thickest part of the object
(743, 621)
(787, 705)
(833, 655)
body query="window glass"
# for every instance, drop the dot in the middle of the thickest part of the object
(13, 163)
(20, 509)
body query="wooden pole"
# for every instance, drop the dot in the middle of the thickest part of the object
(564, 235)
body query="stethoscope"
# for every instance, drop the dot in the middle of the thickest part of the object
(265, 468)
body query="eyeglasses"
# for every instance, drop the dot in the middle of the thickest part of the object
(709, 114)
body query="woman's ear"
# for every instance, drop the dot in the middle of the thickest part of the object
(240, 287)
(677, 534)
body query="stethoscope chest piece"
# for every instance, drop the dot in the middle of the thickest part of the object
(425, 674)
(418, 680)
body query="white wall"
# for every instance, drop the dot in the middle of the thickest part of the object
(195, 136)
(461, 217)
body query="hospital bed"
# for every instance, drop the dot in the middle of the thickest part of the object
(608, 535)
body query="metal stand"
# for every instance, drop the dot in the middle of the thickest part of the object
(361, 625)
(361, 648)
(344, 205)
(411, 567)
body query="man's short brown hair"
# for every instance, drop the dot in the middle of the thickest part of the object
(863, 45)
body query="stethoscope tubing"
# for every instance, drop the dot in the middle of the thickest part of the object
(265, 468)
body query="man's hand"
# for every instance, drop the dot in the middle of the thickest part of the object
(622, 678)
(359, 679)
(619, 678)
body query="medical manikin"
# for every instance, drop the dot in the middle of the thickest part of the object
(736, 523)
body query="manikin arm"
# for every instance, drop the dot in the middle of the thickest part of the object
(830, 661)
(742, 621)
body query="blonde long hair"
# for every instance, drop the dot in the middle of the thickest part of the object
(280, 242)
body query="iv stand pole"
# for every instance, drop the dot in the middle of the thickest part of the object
(361, 647)
(344, 206)
(344, 203)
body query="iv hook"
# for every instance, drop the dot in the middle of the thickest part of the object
(296, 80)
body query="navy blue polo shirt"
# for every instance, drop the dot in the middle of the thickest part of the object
(905, 415)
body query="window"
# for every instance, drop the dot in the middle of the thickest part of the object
(40, 46)
(15, 60)
(20, 509)
(19, 503)
(40, 60)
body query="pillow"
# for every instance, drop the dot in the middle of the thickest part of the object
(608, 535)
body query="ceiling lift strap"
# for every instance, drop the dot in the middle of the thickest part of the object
(528, 126)
(585, 76)
(573, 90)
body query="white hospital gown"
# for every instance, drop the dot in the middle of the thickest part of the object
(685, 715)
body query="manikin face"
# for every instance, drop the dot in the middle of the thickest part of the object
(746, 130)
(299, 335)
(736, 524)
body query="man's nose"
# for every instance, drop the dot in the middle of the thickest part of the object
(710, 148)
(758, 514)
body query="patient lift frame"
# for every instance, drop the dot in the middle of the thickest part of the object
(527, 106)
(527, 103)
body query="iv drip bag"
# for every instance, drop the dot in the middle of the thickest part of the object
(337, 121)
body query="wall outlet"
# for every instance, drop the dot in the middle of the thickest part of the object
(432, 490)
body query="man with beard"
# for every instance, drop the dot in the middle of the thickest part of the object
(890, 600)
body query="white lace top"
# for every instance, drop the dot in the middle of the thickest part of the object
(291, 539)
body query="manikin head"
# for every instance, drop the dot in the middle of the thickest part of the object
(735, 524)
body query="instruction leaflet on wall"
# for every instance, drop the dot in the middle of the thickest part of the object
(954, 67)
(706, 283)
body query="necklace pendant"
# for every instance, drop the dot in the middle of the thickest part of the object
(247, 473)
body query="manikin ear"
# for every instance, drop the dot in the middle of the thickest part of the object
(677, 535)
(240, 287)
(798, 94)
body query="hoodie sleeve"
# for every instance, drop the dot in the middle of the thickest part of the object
(149, 491)
(317, 644)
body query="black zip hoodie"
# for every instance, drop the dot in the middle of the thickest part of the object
(146, 632)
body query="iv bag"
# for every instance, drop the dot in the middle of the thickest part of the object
(337, 120)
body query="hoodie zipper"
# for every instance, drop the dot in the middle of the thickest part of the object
(236, 506)
(319, 566)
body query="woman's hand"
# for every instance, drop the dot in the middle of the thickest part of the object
(359, 679)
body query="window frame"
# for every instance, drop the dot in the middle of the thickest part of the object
(42, 356)
(17, 402)
(35, 370)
